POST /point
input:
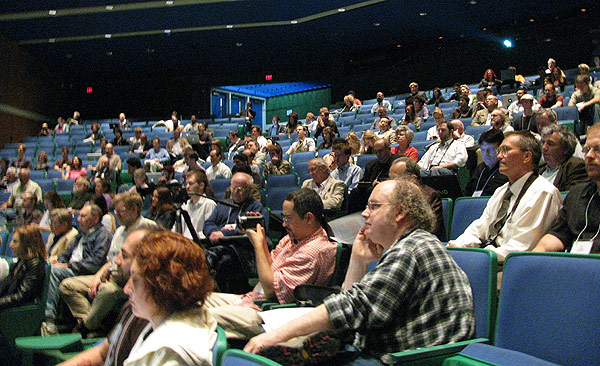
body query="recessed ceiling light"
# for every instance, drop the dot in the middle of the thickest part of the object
(107, 35)
(341, 10)
(377, 24)
(473, 2)
(109, 53)
(398, 45)
(169, 2)
(167, 31)
(532, 20)
(239, 44)
(150, 50)
(423, 14)
(294, 22)
(484, 28)
(52, 40)
(109, 7)
(440, 37)
(52, 12)
(583, 10)
(547, 40)
(229, 26)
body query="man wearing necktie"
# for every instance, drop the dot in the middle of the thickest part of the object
(520, 211)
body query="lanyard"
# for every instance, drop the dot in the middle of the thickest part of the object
(586, 220)
(487, 181)
(444, 154)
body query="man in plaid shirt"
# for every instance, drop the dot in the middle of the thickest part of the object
(416, 296)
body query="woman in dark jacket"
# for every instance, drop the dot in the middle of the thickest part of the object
(162, 210)
(26, 277)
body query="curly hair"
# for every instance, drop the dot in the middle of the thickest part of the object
(408, 197)
(174, 271)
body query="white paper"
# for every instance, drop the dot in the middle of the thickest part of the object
(276, 318)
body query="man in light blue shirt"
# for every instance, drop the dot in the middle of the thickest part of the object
(345, 171)
(157, 157)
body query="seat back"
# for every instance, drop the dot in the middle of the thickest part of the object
(283, 180)
(362, 160)
(447, 205)
(236, 357)
(481, 267)
(219, 347)
(276, 196)
(548, 307)
(466, 210)
(302, 156)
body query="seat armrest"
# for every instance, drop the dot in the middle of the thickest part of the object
(432, 355)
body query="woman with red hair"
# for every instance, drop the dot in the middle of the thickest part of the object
(168, 286)
(490, 80)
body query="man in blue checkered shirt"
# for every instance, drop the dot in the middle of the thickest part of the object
(415, 297)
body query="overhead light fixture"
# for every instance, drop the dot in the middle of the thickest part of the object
(169, 2)
(107, 35)
(109, 53)
(423, 14)
(167, 31)
(109, 7)
(532, 20)
(229, 26)
(583, 10)
(507, 43)
(398, 45)
(239, 44)
(484, 28)
(473, 2)
(294, 22)
(377, 24)
(52, 12)
(341, 10)
(440, 37)
(150, 50)
(52, 40)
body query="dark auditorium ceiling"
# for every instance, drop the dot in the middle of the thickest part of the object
(92, 38)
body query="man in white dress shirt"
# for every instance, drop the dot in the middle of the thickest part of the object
(217, 169)
(446, 155)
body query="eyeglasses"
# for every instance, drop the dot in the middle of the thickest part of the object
(503, 150)
(372, 206)
(595, 149)
(238, 189)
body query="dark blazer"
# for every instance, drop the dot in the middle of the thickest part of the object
(435, 200)
(24, 283)
(570, 173)
(520, 123)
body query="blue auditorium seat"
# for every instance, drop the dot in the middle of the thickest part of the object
(466, 210)
(364, 159)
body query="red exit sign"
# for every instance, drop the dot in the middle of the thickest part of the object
(268, 77)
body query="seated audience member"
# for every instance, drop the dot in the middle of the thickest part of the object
(28, 214)
(10, 181)
(404, 137)
(246, 158)
(191, 161)
(119, 140)
(526, 121)
(276, 166)
(386, 132)
(463, 110)
(21, 161)
(75, 119)
(561, 168)
(81, 193)
(517, 106)
(455, 92)
(276, 128)
(191, 127)
(446, 155)
(92, 297)
(550, 99)
(464, 90)
(303, 144)
(25, 185)
(483, 117)
(311, 123)
(486, 177)
(349, 105)
(328, 137)
(344, 170)
(406, 168)
(51, 201)
(587, 100)
(292, 123)
(354, 143)
(62, 233)
(4, 164)
(162, 210)
(479, 101)
(64, 160)
(176, 145)
(167, 178)
(575, 229)
(490, 80)
(304, 256)
(222, 221)
(329, 189)
(519, 212)
(157, 157)
(420, 110)
(414, 92)
(61, 126)
(381, 102)
(74, 170)
(133, 163)
(460, 135)
(259, 156)
(236, 144)
(325, 120)
(108, 220)
(25, 279)
(439, 118)
(123, 122)
(382, 113)
(42, 161)
(547, 117)
(101, 149)
(85, 256)
(377, 170)
(257, 136)
(248, 113)
(144, 146)
(103, 188)
(410, 261)
(217, 170)
(498, 121)
(95, 135)
(556, 75)
(436, 97)
(113, 161)
(134, 141)
(356, 100)
(168, 286)
(198, 207)
(368, 141)
(142, 186)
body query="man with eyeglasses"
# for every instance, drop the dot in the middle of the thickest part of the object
(389, 308)
(304, 256)
(576, 229)
(91, 298)
(222, 222)
(520, 211)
